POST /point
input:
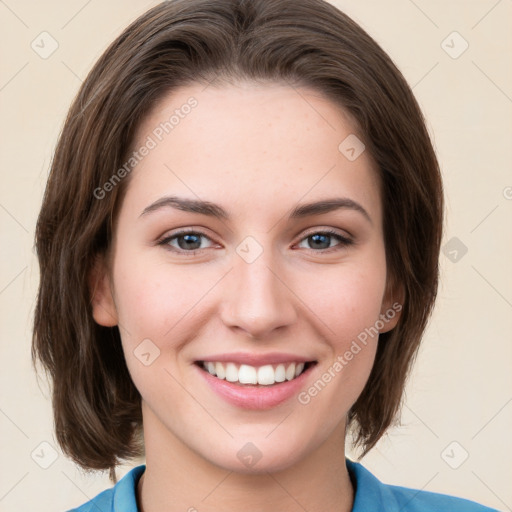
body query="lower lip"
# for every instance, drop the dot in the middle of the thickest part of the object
(255, 397)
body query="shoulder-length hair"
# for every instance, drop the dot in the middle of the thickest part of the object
(97, 408)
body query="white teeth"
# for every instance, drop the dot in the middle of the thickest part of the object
(290, 372)
(280, 375)
(231, 372)
(245, 374)
(219, 370)
(266, 375)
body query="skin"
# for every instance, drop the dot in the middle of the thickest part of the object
(258, 151)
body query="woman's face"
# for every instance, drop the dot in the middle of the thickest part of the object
(283, 267)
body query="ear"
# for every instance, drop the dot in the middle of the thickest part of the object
(103, 307)
(392, 304)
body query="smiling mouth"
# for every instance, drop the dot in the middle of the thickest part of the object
(247, 375)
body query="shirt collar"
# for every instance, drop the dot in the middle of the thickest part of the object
(369, 492)
(125, 497)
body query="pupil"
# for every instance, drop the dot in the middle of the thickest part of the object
(189, 239)
(317, 240)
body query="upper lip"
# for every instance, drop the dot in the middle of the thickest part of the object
(256, 359)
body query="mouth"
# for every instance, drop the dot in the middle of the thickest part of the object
(245, 375)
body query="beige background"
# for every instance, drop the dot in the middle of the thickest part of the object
(461, 388)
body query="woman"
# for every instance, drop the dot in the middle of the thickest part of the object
(239, 248)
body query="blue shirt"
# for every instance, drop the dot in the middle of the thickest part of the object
(371, 495)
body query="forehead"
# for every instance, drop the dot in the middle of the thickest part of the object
(251, 146)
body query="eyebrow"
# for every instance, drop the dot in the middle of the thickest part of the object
(217, 211)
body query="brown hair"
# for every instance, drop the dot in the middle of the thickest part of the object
(301, 42)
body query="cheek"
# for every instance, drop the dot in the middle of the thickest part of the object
(152, 300)
(347, 300)
(347, 306)
(161, 302)
(152, 316)
(160, 307)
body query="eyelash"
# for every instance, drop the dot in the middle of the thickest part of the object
(343, 241)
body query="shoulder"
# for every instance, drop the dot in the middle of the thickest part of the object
(412, 500)
(371, 495)
(120, 498)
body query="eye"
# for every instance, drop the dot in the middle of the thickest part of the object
(185, 241)
(190, 242)
(321, 240)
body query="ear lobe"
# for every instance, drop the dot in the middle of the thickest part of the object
(392, 305)
(103, 307)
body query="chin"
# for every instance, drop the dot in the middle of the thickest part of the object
(259, 456)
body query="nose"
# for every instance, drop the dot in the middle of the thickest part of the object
(258, 299)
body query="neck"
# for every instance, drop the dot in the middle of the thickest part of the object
(178, 479)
